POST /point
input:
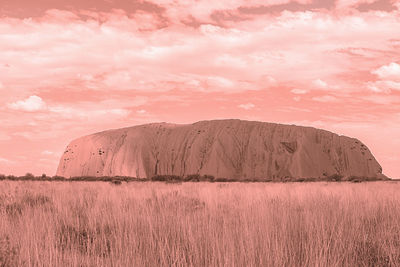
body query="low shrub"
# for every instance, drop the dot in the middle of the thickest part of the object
(57, 178)
(187, 178)
(193, 177)
(359, 179)
(116, 182)
(164, 178)
(335, 177)
(209, 178)
(223, 179)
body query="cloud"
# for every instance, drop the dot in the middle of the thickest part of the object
(291, 109)
(374, 87)
(383, 86)
(299, 91)
(345, 4)
(86, 110)
(391, 71)
(31, 104)
(389, 79)
(325, 98)
(84, 113)
(65, 54)
(320, 84)
(382, 99)
(59, 15)
(47, 152)
(6, 161)
(207, 12)
(247, 106)
(378, 5)
(141, 111)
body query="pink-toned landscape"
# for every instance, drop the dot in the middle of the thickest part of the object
(199, 133)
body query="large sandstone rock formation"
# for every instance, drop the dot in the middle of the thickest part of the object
(223, 148)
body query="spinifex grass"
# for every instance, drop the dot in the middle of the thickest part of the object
(199, 224)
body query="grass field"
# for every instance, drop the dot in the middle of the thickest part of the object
(199, 224)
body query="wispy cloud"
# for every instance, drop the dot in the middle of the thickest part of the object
(325, 98)
(247, 106)
(32, 103)
(6, 161)
(299, 91)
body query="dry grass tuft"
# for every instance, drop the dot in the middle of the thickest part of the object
(8, 253)
(85, 240)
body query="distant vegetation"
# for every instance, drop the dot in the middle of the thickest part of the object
(176, 179)
(199, 224)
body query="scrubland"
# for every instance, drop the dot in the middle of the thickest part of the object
(199, 224)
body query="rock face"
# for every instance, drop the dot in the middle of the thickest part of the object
(223, 148)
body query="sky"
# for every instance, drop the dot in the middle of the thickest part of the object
(70, 68)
